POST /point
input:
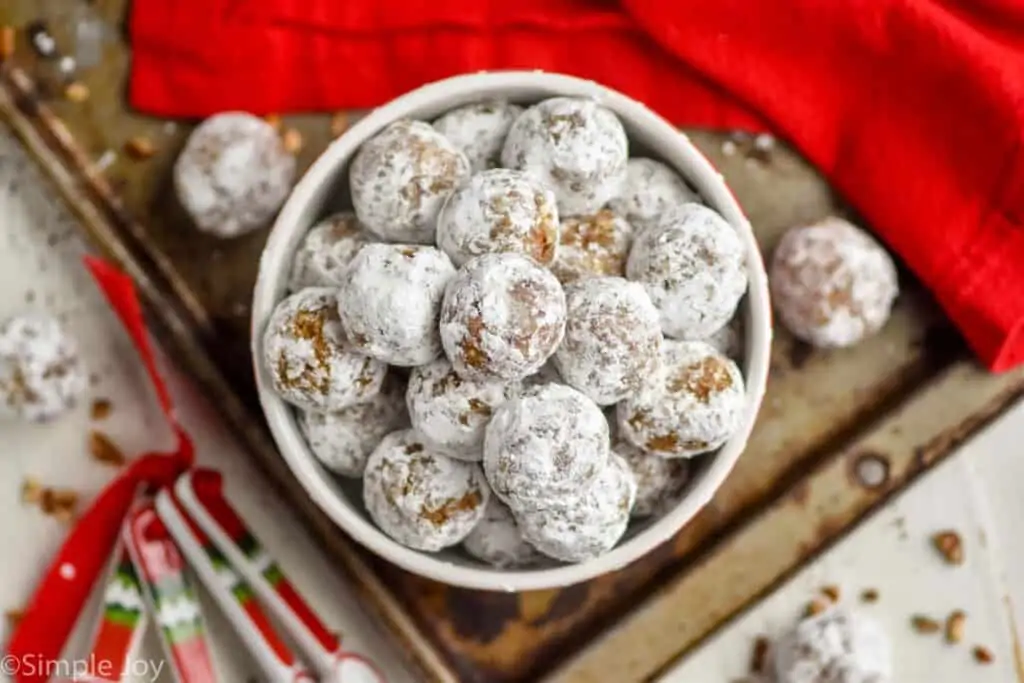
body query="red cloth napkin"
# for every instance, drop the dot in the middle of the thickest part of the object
(914, 109)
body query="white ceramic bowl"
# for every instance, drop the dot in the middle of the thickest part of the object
(325, 188)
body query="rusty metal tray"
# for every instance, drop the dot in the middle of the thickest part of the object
(890, 408)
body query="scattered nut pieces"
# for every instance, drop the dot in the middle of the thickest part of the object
(339, 123)
(831, 592)
(955, 626)
(923, 624)
(13, 617)
(815, 607)
(949, 544)
(31, 491)
(76, 91)
(275, 121)
(139, 148)
(101, 408)
(759, 655)
(982, 654)
(292, 140)
(869, 595)
(7, 34)
(104, 450)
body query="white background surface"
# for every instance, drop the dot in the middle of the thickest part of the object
(975, 492)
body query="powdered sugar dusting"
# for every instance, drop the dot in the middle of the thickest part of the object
(233, 174)
(479, 130)
(451, 412)
(496, 539)
(651, 188)
(422, 499)
(659, 481)
(499, 211)
(390, 299)
(836, 646)
(589, 524)
(695, 410)
(612, 342)
(832, 284)
(592, 245)
(326, 249)
(575, 146)
(41, 375)
(693, 265)
(400, 178)
(503, 316)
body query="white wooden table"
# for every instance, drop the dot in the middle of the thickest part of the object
(974, 492)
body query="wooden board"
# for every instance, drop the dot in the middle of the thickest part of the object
(198, 291)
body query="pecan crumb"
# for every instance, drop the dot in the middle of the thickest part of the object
(104, 450)
(815, 607)
(275, 121)
(831, 592)
(923, 624)
(982, 654)
(292, 141)
(339, 123)
(31, 491)
(76, 92)
(13, 617)
(955, 626)
(6, 42)
(869, 595)
(139, 148)
(759, 655)
(948, 543)
(101, 408)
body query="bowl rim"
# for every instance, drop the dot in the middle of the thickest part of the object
(314, 479)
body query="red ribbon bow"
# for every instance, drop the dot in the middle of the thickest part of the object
(54, 608)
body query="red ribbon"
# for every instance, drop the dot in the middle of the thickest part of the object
(54, 608)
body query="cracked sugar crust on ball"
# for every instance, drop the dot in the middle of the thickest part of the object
(401, 177)
(543, 445)
(451, 412)
(326, 250)
(390, 300)
(693, 265)
(837, 646)
(588, 524)
(651, 188)
(497, 540)
(612, 343)
(592, 245)
(41, 374)
(696, 409)
(479, 130)
(422, 499)
(573, 145)
(659, 481)
(311, 363)
(832, 284)
(499, 211)
(343, 440)
(233, 174)
(503, 316)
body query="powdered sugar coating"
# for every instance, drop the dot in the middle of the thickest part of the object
(693, 265)
(422, 499)
(41, 375)
(695, 410)
(233, 174)
(499, 211)
(612, 344)
(502, 317)
(651, 188)
(479, 130)
(311, 363)
(587, 525)
(390, 299)
(496, 539)
(343, 440)
(597, 244)
(573, 145)
(326, 250)
(832, 284)
(451, 412)
(659, 481)
(544, 445)
(400, 177)
(837, 646)
(728, 340)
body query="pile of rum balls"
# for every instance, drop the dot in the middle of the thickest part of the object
(519, 337)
